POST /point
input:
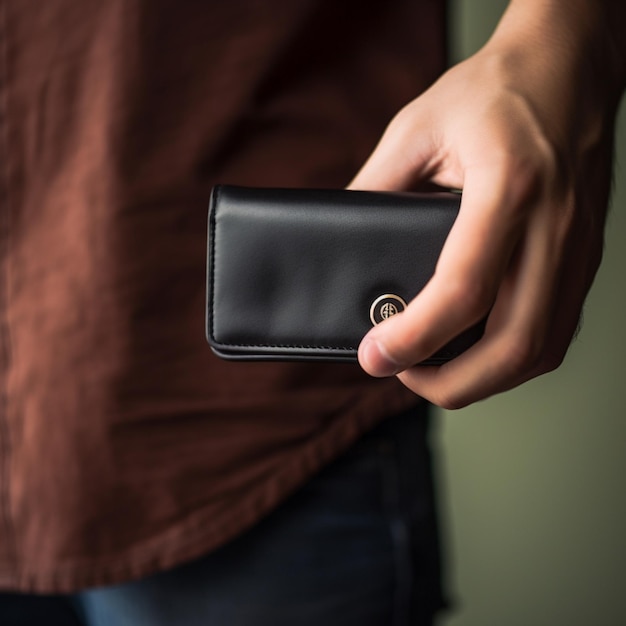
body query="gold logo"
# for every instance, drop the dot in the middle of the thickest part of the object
(386, 306)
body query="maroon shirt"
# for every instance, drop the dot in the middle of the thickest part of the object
(126, 447)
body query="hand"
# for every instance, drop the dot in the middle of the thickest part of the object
(525, 128)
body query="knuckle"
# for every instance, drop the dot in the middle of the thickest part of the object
(555, 354)
(525, 178)
(535, 354)
(403, 122)
(403, 117)
(474, 296)
(449, 399)
(447, 394)
(451, 403)
(551, 362)
(523, 354)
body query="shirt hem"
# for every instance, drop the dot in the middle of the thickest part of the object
(201, 532)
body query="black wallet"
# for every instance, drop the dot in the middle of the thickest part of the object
(303, 274)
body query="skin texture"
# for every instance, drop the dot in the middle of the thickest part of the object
(525, 128)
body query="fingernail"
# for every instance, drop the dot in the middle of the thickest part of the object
(376, 360)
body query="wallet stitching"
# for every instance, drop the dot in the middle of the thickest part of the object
(285, 346)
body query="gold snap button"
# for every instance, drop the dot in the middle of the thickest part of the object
(386, 306)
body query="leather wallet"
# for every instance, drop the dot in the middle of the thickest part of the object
(302, 274)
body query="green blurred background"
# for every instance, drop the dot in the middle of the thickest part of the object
(534, 506)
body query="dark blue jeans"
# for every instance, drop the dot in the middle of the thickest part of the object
(357, 546)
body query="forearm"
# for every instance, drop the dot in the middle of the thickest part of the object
(588, 34)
